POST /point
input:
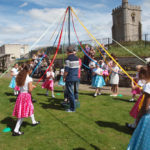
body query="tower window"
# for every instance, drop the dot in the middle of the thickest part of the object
(133, 17)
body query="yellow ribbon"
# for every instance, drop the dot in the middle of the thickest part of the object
(104, 48)
(141, 102)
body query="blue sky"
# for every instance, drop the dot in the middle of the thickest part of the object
(23, 21)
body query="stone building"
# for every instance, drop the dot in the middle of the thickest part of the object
(126, 22)
(15, 50)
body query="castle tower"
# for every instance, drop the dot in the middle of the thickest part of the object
(126, 22)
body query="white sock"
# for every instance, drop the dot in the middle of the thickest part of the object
(53, 94)
(33, 119)
(14, 92)
(18, 124)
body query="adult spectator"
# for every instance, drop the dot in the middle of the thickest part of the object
(92, 52)
(71, 75)
(43, 68)
(103, 52)
(86, 59)
(76, 85)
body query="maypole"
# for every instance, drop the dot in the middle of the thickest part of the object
(69, 10)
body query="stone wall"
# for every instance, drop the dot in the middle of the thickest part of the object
(15, 50)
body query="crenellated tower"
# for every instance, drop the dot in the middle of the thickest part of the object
(126, 22)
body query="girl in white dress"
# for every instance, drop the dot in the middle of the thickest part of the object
(114, 79)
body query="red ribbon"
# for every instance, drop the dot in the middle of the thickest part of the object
(54, 57)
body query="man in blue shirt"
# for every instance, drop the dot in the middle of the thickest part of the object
(71, 75)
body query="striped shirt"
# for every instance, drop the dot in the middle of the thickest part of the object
(72, 67)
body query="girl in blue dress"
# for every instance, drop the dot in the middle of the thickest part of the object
(141, 137)
(61, 82)
(14, 73)
(98, 82)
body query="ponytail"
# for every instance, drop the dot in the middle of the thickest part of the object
(21, 77)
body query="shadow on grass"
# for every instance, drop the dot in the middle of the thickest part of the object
(115, 126)
(71, 130)
(10, 122)
(12, 100)
(44, 94)
(122, 99)
(9, 94)
(92, 93)
(80, 148)
(89, 94)
(53, 104)
(61, 91)
(41, 94)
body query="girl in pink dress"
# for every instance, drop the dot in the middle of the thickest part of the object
(49, 82)
(136, 90)
(24, 107)
(135, 109)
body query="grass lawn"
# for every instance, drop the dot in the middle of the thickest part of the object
(99, 123)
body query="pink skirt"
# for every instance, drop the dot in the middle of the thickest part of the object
(48, 84)
(23, 107)
(17, 88)
(136, 91)
(134, 111)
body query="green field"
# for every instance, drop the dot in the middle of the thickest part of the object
(99, 123)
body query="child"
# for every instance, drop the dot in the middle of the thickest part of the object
(137, 89)
(17, 89)
(92, 65)
(49, 82)
(105, 68)
(141, 136)
(98, 81)
(135, 109)
(14, 73)
(24, 107)
(61, 82)
(114, 79)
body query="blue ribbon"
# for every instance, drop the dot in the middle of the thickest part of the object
(86, 66)
(43, 57)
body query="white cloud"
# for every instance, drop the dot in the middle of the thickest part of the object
(145, 16)
(28, 26)
(46, 15)
(37, 20)
(99, 24)
(13, 28)
(99, 6)
(23, 5)
(46, 3)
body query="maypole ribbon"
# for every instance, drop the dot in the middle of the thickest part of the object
(63, 49)
(104, 49)
(80, 43)
(141, 102)
(86, 53)
(44, 55)
(129, 51)
(86, 66)
(53, 45)
(33, 45)
(56, 49)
